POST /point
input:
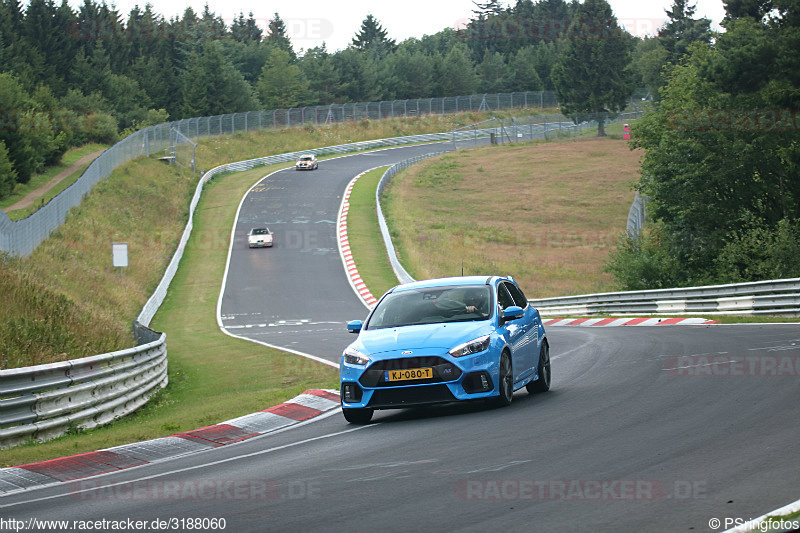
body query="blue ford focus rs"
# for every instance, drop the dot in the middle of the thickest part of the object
(444, 340)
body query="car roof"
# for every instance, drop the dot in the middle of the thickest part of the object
(446, 282)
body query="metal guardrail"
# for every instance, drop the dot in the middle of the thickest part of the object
(773, 297)
(44, 401)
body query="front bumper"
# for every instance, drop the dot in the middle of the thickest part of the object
(454, 379)
(260, 244)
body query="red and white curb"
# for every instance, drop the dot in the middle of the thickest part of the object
(612, 322)
(344, 248)
(308, 405)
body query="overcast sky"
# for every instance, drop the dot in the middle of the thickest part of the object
(310, 22)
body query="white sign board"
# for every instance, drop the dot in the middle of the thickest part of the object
(119, 252)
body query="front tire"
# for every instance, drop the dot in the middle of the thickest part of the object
(506, 381)
(543, 383)
(357, 416)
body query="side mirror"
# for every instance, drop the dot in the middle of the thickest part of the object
(512, 312)
(354, 326)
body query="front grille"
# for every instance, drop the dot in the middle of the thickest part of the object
(443, 371)
(408, 396)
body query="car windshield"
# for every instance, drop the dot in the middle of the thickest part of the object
(260, 231)
(305, 158)
(432, 306)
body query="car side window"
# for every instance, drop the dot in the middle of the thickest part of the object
(517, 295)
(503, 297)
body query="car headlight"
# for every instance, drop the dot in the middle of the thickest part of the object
(474, 346)
(354, 357)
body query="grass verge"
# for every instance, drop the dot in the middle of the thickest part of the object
(363, 233)
(546, 213)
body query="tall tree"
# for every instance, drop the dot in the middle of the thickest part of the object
(374, 38)
(457, 73)
(591, 76)
(486, 31)
(211, 26)
(142, 32)
(681, 30)
(488, 8)
(211, 86)
(319, 69)
(407, 74)
(281, 84)
(524, 72)
(43, 31)
(278, 37)
(494, 74)
(358, 75)
(246, 29)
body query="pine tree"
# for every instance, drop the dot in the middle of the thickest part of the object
(246, 29)
(525, 76)
(486, 9)
(318, 68)
(281, 84)
(374, 38)
(43, 32)
(211, 26)
(457, 75)
(494, 74)
(277, 36)
(682, 30)
(211, 86)
(591, 76)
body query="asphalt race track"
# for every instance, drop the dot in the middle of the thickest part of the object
(296, 295)
(645, 429)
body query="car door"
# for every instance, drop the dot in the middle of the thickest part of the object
(515, 333)
(529, 345)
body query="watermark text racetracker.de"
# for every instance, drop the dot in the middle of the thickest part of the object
(726, 365)
(195, 490)
(599, 490)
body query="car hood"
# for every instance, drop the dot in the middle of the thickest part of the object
(425, 336)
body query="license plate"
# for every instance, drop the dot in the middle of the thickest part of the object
(408, 375)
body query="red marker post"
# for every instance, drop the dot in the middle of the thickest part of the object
(626, 132)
